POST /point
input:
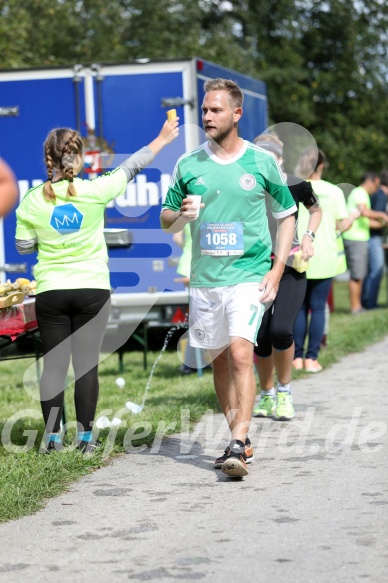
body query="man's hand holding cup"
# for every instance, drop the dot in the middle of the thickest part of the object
(191, 206)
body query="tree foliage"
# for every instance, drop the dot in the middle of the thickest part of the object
(324, 62)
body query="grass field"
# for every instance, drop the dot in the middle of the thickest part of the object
(28, 478)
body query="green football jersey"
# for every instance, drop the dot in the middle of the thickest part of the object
(231, 238)
(72, 249)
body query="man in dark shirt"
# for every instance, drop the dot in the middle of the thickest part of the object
(371, 284)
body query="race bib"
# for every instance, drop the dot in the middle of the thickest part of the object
(222, 239)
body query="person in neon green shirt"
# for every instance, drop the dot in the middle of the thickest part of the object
(275, 342)
(357, 237)
(63, 220)
(323, 265)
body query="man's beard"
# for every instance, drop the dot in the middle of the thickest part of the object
(223, 134)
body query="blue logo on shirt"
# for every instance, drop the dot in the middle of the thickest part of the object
(66, 219)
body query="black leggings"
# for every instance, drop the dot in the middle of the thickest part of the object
(71, 323)
(277, 326)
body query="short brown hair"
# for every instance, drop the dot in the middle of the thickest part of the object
(236, 96)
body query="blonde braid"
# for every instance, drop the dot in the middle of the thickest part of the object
(72, 147)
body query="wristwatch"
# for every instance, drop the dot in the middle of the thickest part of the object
(310, 234)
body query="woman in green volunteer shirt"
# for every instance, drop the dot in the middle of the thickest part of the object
(63, 219)
(323, 265)
(275, 341)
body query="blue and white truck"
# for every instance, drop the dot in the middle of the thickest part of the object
(118, 109)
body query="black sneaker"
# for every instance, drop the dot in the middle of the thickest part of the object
(88, 446)
(249, 455)
(220, 460)
(235, 466)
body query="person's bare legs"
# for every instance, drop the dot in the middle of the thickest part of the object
(265, 370)
(221, 377)
(235, 385)
(283, 364)
(355, 287)
(281, 361)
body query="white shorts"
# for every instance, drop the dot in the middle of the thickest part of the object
(218, 313)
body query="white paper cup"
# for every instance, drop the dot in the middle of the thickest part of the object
(196, 198)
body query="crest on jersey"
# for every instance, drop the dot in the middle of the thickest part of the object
(247, 181)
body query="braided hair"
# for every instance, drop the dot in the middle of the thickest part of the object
(61, 147)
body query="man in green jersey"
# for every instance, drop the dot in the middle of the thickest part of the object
(231, 278)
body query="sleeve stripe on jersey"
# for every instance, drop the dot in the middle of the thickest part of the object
(285, 212)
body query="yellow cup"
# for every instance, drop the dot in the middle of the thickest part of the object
(298, 263)
(171, 114)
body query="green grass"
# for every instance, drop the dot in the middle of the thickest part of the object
(28, 479)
